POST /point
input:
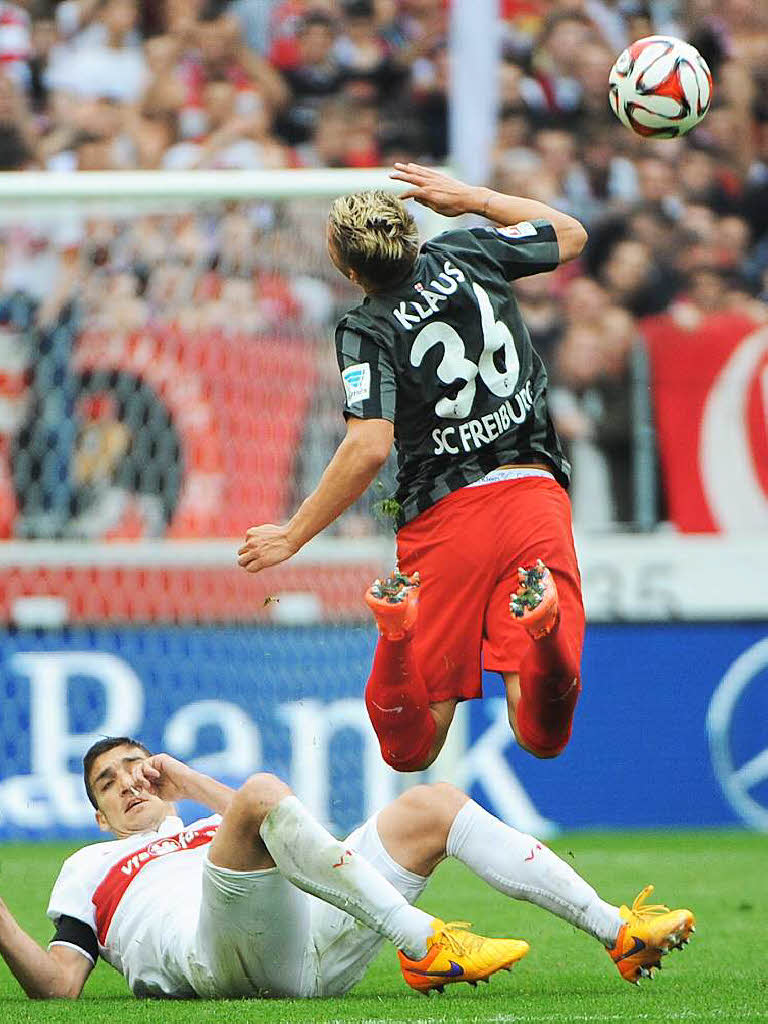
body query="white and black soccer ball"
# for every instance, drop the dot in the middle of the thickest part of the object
(660, 87)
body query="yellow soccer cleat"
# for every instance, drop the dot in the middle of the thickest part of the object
(454, 955)
(651, 931)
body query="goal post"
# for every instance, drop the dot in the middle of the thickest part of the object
(43, 186)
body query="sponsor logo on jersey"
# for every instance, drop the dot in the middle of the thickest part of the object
(411, 314)
(113, 886)
(522, 230)
(474, 434)
(357, 382)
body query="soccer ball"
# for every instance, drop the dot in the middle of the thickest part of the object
(660, 87)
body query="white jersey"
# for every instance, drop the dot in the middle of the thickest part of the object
(141, 898)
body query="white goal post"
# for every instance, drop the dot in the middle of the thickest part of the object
(31, 186)
(44, 189)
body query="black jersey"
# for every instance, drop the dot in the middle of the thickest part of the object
(446, 357)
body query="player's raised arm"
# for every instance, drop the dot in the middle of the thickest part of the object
(58, 973)
(452, 198)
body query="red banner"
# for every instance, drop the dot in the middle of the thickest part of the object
(710, 391)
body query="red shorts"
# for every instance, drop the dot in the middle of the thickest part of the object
(467, 549)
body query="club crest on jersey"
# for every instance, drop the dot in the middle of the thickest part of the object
(357, 382)
(522, 230)
(410, 314)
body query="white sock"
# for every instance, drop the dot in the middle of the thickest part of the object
(522, 867)
(309, 857)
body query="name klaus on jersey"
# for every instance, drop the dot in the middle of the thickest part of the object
(410, 314)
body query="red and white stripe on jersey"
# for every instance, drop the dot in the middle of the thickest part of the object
(113, 886)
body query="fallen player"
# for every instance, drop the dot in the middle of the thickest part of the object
(260, 900)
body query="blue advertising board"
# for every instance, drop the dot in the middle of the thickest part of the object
(671, 729)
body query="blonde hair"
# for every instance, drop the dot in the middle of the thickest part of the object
(373, 234)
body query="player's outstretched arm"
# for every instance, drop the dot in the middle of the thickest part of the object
(58, 973)
(452, 198)
(352, 469)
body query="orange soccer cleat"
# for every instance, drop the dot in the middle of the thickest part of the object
(394, 602)
(535, 604)
(455, 954)
(650, 933)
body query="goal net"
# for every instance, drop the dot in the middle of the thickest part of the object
(168, 379)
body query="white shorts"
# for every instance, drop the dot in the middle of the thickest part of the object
(258, 935)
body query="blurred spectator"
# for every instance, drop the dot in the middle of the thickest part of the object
(365, 57)
(15, 42)
(313, 73)
(591, 403)
(556, 61)
(633, 279)
(542, 315)
(17, 142)
(103, 57)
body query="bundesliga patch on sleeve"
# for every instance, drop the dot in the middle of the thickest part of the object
(522, 230)
(357, 382)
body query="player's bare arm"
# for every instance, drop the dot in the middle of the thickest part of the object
(172, 780)
(452, 198)
(58, 973)
(350, 472)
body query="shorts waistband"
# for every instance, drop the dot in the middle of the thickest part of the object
(513, 473)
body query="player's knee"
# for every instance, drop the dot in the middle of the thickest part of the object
(434, 806)
(416, 764)
(542, 751)
(545, 755)
(259, 794)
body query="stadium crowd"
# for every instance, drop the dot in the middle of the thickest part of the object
(676, 226)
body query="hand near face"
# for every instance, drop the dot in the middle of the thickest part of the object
(162, 776)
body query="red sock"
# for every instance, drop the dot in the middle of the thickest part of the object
(405, 735)
(549, 689)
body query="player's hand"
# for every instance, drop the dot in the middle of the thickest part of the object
(163, 776)
(265, 546)
(438, 191)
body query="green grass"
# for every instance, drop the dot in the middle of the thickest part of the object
(721, 976)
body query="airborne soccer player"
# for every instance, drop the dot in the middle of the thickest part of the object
(437, 358)
(260, 900)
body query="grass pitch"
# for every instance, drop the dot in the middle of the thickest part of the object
(721, 976)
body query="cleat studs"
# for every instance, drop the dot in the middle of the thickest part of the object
(473, 984)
